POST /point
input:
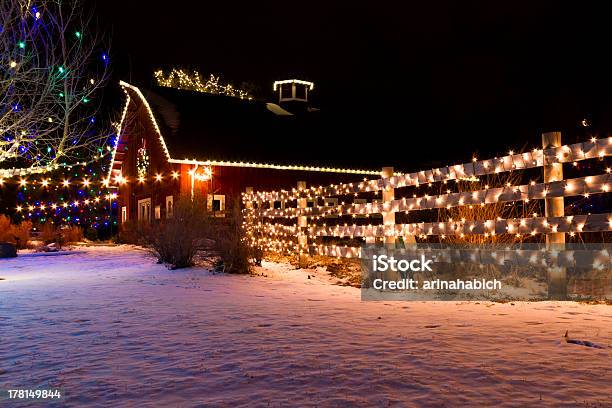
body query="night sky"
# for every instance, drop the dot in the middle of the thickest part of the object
(440, 80)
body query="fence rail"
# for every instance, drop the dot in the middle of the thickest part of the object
(266, 224)
(565, 188)
(596, 148)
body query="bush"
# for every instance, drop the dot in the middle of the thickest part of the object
(5, 229)
(235, 255)
(91, 234)
(47, 233)
(60, 235)
(18, 234)
(71, 234)
(133, 232)
(175, 240)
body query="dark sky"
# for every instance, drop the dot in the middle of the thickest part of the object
(438, 79)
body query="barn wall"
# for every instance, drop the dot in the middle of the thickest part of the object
(233, 181)
(138, 127)
(227, 181)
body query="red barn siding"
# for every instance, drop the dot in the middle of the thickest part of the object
(229, 181)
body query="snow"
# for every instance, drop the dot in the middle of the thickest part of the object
(110, 327)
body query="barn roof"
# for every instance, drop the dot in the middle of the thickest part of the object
(225, 130)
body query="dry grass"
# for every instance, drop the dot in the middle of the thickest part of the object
(18, 234)
(488, 211)
(175, 240)
(60, 235)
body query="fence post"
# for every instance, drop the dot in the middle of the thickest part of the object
(302, 224)
(388, 216)
(554, 207)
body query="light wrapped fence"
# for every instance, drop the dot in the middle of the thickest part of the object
(300, 237)
(564, 188)
(534, 225)
(523, 226)
(596, 148)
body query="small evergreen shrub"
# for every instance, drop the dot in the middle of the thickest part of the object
(91, 234)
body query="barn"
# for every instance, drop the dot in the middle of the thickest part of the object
(175, 143)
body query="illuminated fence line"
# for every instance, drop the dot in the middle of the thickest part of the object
(307, 237)
(596, 148)
(565, 188)
(523, 226)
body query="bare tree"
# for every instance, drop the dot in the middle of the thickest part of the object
(52, 67)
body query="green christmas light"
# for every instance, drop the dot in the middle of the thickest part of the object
(21, 44)
(78, 34)
(61, 70)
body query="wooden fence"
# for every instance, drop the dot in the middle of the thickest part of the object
(293, 222)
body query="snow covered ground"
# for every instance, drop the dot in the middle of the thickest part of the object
(112, 328)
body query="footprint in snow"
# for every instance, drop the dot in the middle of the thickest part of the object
(580, 342)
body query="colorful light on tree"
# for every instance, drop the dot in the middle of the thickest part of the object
(47, 88)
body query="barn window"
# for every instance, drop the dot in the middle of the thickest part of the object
(216, 203)
(158, 212)
(300, 91)
(144, 209)
(124, 214)
(169, 206)
(287, 91)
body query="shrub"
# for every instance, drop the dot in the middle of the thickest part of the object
(47, 233)
(18, 234)
(133, 232)
(91, 234)
(5, 228)
(60, 235)
(235, 255)
(175, 240)
(72, 234)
